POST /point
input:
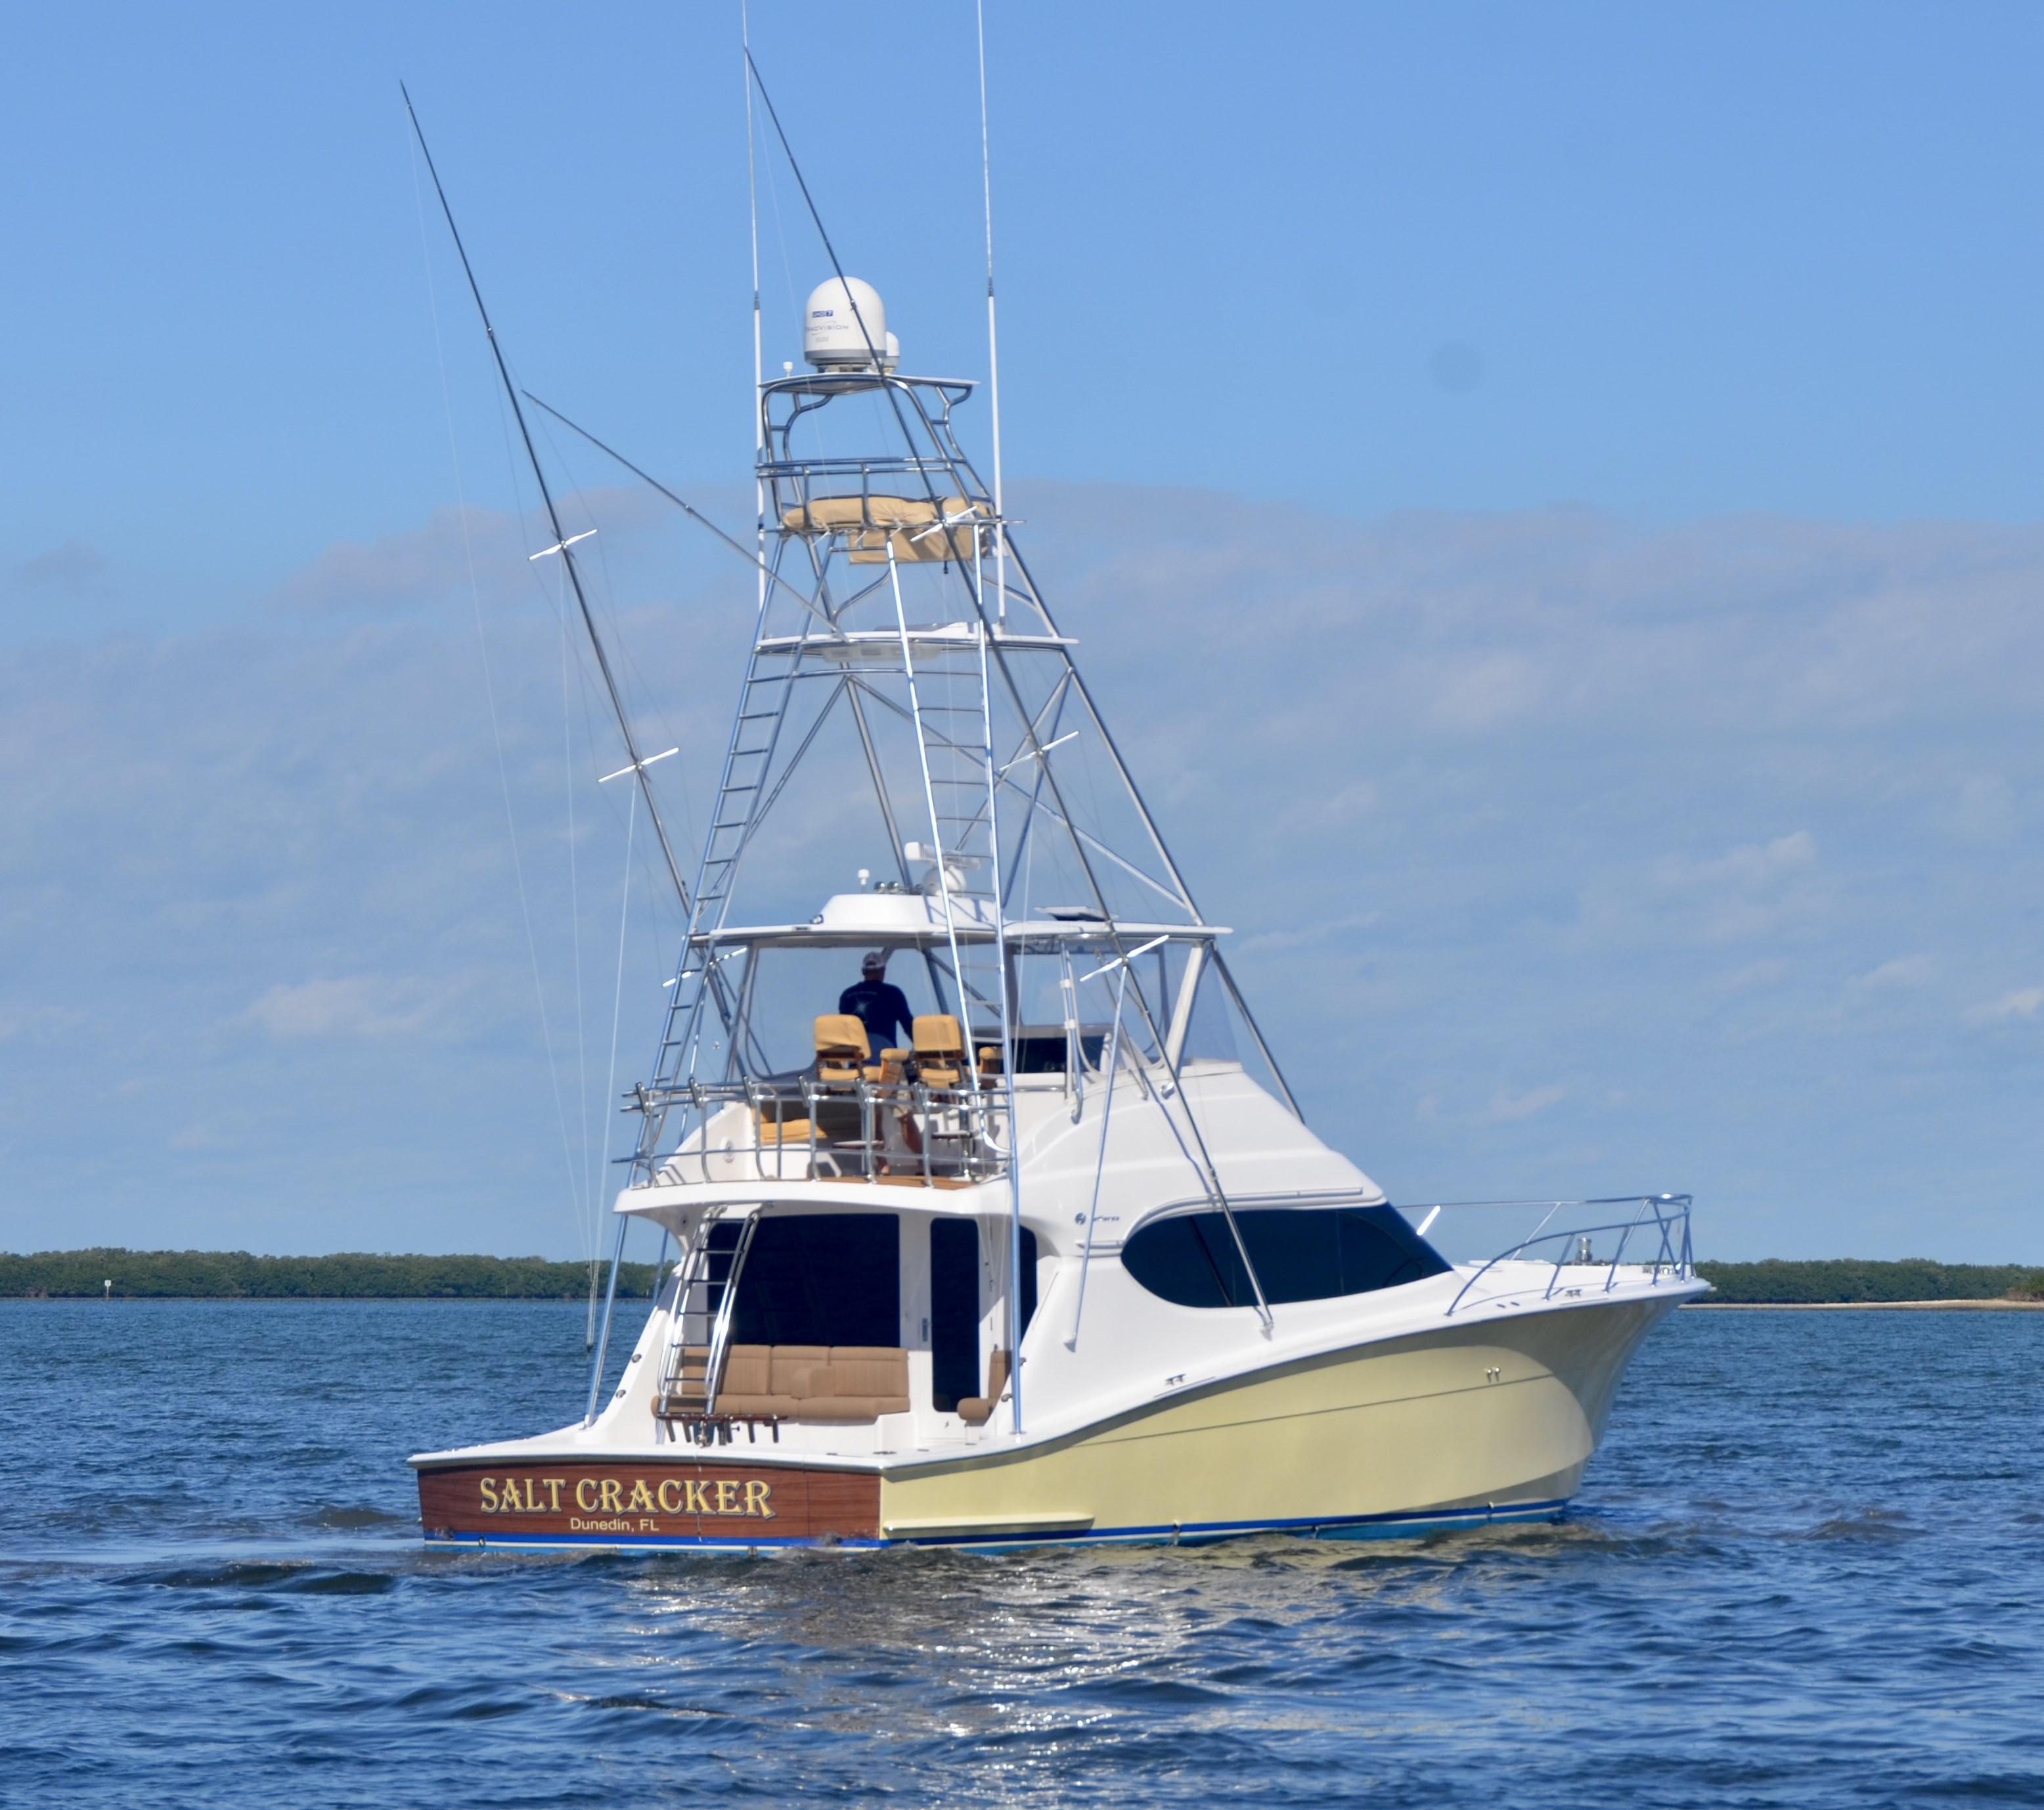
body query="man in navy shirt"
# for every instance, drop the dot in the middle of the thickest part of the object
(878, 1005)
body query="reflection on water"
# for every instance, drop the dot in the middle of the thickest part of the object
(1807, 1569)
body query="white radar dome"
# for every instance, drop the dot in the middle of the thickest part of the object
(845, 325)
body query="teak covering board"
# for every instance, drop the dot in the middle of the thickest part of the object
(679, 1500)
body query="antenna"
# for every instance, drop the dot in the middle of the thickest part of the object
(759, 370)
(993, 342)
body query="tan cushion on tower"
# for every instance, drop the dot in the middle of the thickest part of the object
(871, 524)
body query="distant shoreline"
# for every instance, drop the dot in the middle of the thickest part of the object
(345, 1275)
(1907, 1283)
(1985, 1305)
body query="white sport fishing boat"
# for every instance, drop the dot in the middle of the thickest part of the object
(1024, 1238)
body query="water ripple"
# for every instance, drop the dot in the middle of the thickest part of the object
(1805, 1572)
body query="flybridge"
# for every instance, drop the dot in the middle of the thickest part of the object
(903, 648)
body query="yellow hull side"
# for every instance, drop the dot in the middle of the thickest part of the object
(1476, 1414)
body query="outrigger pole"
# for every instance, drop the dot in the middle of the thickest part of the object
(563, 541)
(563, 546)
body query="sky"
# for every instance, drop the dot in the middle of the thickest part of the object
(1547, 497)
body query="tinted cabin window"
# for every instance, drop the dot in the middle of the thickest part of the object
(1027, 1293)
(953, 1312)
(1040, 1053)
(1301, 1254)
(821, 1279)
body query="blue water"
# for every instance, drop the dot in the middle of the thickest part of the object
(1807, 1569)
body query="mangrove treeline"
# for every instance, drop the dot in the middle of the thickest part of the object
(1859, 1279)
(230, 1275)
(235, 1275)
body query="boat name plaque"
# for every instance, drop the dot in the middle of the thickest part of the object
(614, 1496)
(684, 1500)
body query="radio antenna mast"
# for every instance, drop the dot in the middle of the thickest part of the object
(993, 342)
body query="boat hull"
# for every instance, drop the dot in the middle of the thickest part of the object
(1481, 1421)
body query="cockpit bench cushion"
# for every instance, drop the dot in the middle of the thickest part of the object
(976, 1411)
(747, 1390)
(840, 1383)
(817, 1382)
(868, 1369)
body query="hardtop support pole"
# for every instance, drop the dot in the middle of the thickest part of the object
(609, 1301)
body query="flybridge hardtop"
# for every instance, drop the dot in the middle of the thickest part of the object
(996, 1218)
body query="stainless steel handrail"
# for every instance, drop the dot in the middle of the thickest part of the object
(959, 1129)
(1668, 1213)
(720, 1336)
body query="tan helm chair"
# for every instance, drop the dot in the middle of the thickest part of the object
(940, 1048)
(841, 1048)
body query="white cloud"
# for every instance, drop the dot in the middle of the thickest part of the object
(426, 565)
(2025, 1002)
(1749, 891)
(1324, 812)
(72, 570)
(201, 1137)
(1612, 801)
(1310, 936)
(1770, 972)
(38, 1022)
(1507, 1107)
(1491, 691)
(1903, 971)
(418, 567)
(360, 1005)
(1752, 868)
(1985, 810)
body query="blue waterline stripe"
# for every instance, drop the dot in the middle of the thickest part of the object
(1389, 1524)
